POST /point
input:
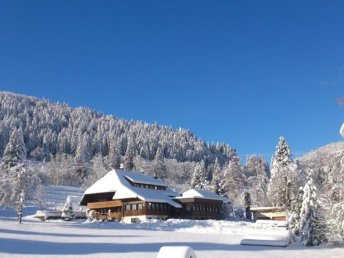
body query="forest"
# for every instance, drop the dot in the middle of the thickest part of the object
(46, 143)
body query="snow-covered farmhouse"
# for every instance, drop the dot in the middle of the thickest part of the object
(131, 196)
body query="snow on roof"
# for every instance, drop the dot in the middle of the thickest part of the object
(197, 193)
(267, 208)
(148, 195)
(108, 183)
(137, 177)
(117, 181)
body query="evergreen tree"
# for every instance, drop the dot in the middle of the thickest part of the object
(234, 181)
(199, 177)
(217, 182)
(15, 152)
(312, 224)
(114, 159)
(159, 165)
(283, 175)
(128, 163)
(295, 210)
(257, 171)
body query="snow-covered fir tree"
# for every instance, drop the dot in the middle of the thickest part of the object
(199, 177)
(15, 151)
(217, 182)
(284, 179)
(234, 182)
(312, 223)
(295, 210)
(159, 165)
(257, 171)
(128, 163)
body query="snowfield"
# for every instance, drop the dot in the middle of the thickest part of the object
(220, 239)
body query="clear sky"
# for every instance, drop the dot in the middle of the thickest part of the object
(240, 72)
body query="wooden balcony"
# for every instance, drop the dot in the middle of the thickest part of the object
(104, 205)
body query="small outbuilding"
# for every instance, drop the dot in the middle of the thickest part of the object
(201, 204)
(268, 213)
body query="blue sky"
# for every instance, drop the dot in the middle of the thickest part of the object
(240, 72)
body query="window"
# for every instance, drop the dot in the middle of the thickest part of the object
(127, 207)
(149, 206)
(134, 207)
(140, 206)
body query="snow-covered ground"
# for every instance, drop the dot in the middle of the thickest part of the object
(219, 239)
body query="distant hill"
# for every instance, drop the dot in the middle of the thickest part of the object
(327, 150)
(54, 128)
(326, 156)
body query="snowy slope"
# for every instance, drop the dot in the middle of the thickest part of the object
(56, 196)
(325, 151)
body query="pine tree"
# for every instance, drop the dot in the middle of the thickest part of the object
(199, 178)
(257, 171)
(283, 175)
(114, 159)
(128, 163)
(159, 165)
(312, 225)
(295, 210)
(234, 181)
(217, 181)
(15, 151)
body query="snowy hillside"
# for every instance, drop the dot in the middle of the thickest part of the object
(325, 151)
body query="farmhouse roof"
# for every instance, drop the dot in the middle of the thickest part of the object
(122, 184)
(202, 194)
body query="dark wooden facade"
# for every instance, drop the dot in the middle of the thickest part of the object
(192, 208)
(199, 208)
(118, 209)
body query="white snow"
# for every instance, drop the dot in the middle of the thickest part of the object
(108, 183)
(137, 177)
(192, 193)
(117, 178)
(276, 239)
(208, 238)
(148, 195)
(176, 252)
